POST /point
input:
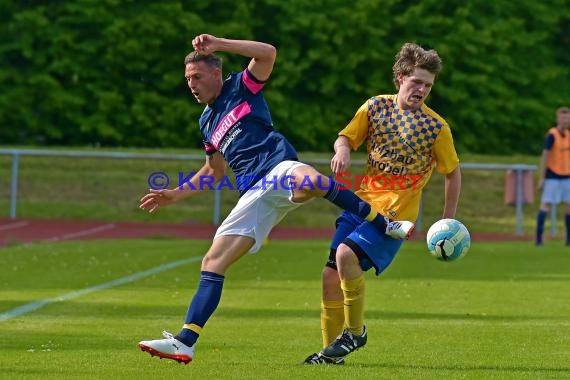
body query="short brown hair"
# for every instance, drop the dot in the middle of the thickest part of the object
(413, 56)
(562, 110)
(209, 59)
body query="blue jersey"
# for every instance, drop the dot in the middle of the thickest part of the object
(238, 125)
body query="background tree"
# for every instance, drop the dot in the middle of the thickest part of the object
(110, 72)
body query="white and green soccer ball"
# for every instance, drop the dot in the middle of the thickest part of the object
(448, 239)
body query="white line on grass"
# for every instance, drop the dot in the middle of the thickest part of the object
(89, 231)
(11, 226)
(121, 281)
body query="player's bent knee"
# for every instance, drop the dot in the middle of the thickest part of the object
(345, 256)
(310, 182)
(330, 277)
(214, 263)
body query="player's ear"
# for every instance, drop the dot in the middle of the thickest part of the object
(217, 72)
(400, 79)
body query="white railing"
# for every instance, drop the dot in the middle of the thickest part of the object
(519, 169)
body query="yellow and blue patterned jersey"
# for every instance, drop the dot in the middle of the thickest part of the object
(404, 147)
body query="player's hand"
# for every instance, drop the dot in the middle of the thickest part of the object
(340, 162)
(156, 199)
(205, 44)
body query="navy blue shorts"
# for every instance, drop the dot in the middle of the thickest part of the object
(373, 247)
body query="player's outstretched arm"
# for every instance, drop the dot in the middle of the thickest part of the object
(156, 199)
(452, 189)
(341, 159)
(262, 55)
(211, 172)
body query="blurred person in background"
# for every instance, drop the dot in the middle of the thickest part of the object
(554, 172)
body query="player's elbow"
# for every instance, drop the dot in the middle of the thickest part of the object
(271, 52)
(218, 174)
(266, 52)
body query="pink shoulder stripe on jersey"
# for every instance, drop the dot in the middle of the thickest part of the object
(228, 121)
(252, 84)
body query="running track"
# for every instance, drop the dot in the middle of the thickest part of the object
(26, 231)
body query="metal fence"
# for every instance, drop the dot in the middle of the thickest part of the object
(518, 169)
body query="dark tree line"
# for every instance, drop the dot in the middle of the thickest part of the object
(110, 72)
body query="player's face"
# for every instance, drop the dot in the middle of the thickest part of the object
(564, 119)
(414, 88)
(204, 81)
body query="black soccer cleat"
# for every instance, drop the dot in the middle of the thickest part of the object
(317, 358)
(345, 344)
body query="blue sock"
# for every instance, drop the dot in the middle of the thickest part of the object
(540, 218)
(350, 202)
(567, 221)
(203, 305)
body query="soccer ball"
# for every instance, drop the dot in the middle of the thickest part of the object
(448, 239)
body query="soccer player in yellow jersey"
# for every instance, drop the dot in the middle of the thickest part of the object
(406, 141)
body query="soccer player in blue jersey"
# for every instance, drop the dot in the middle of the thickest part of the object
(237, 130)
(406, 141)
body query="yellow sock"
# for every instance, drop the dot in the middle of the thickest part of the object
(372, 215)
(332, 320)
(354, 304)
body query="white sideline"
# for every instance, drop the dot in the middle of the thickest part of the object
(89, 231)
(21, 310)
(11, 226)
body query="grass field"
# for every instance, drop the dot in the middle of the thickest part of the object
(502, 312)
(109, 190)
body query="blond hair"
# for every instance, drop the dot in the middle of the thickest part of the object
(412, 56)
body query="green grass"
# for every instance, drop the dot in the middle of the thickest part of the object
(499, 313)
(109, 190)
